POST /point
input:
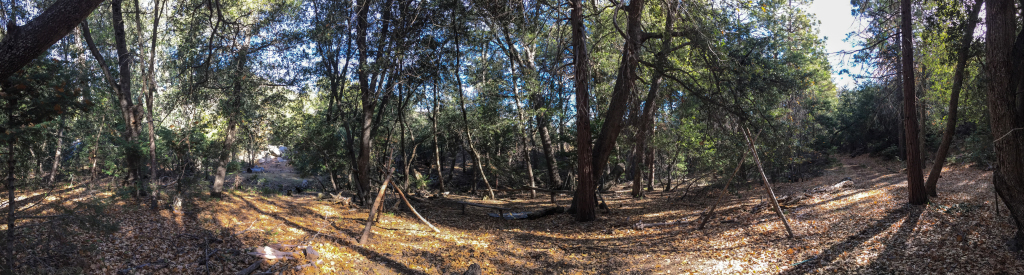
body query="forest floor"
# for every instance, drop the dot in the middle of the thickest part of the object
(864, 227)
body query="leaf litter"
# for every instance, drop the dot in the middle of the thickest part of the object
(865, 226)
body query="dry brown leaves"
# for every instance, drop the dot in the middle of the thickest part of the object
(867, 228)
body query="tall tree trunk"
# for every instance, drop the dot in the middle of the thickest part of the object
(554, 178)
(233, 114)
(368, 102)
(405, 156)
(650, 169)
(915, 180)
(128, 108)
(1004, 71)
(958, 83)
(465, 118)
(525, 137)
(437, 150)
(585, 196)
(149, 90)
(625, 83)
(651, 104)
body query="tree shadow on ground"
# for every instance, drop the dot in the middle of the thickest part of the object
(346, 240)
(826, 257)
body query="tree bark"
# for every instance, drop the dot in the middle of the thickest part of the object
(56, 154)
(22, 44)
(625, 83)
(651, 104)
(368, 101)
(915, 180)
(149, 90)
(1005, 118)
(233, 114)
(958, 83)
(554, 178)
(437, 150)
(585, 197)
(225, 158)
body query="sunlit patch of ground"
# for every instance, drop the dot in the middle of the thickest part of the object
(865, 228)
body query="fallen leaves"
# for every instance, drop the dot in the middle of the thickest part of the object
(863, 228)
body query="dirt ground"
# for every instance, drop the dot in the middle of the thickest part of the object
(865, 227)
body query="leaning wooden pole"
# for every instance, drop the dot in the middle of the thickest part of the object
(402, 194)
(767, 185)
(725, 190)
(373, 210)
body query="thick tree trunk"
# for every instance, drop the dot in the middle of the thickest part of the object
(625, 83)
(225, 158)
(1006, 122)
(128, 109)
(958, 83)
(585, 197)
(368, 100)
(915, 178)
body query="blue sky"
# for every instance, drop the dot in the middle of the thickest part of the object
(836, 22)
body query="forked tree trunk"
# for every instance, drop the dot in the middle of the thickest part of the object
(651, 104)
(365, 237)
(958, 83)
